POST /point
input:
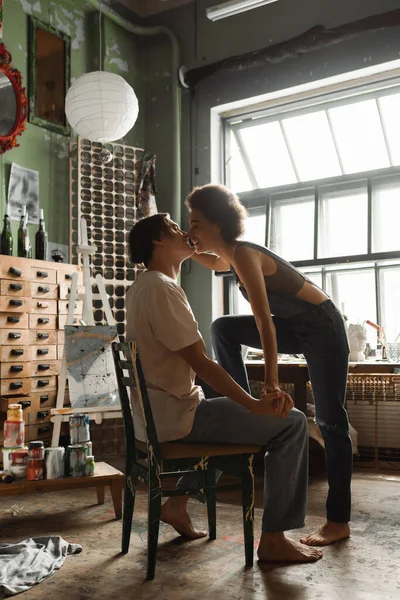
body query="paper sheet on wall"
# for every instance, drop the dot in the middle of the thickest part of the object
(23, 190)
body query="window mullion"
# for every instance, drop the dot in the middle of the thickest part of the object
(378, 294)
(246, 159)
(335, 141)
(384, 131)
(289, 149)
(316, 220)
(268, 220)
(369, 216)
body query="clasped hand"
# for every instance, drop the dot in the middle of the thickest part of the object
(276, 403)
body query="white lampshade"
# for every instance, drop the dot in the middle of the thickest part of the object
(101, 107)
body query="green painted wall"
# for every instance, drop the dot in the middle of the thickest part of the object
(41, 149)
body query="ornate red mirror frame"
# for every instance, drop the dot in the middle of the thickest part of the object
(10, 140)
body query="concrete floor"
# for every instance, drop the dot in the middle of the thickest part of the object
(364, 568)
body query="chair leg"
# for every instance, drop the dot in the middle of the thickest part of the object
(211, 494)
(155, 497)
(129, 505)
(248, 509)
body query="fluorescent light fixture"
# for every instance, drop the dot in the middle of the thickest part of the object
(233, 7)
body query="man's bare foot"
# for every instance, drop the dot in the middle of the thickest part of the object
(327, 534)
(177, 516)
(276, 547)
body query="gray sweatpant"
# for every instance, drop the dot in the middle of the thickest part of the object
(223, 421)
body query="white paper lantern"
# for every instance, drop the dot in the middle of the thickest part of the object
(101, 107)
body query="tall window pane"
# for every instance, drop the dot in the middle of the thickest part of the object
(292, 228)
(255, 226)
(353, 292)
(268, 154)
(390, 113)
(343, 220)
(386, 215)
(310, 139)
(390, 301)
(359, 136)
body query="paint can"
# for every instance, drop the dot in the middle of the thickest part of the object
(19, 471)
(19, 457)
(14, 412)
(89, 466)
(76, 460)
(54, 462)
(7, 456)
(36, 450)
(35, 470)
(79, 432)
(14, 434)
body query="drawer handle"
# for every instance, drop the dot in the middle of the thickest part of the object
(43, 429)
(42, 414)
(42, 336)
(42, 351)
(16, 385)
(42, 304)
(16, 302)
(43, 289)
(15, 271)
(42, 274)
(13, 319)
(43, 367)
(43, 321)
(25, 404)
(43, 382)
(16, 287)
(14, 336)
(16, 368)
(68, 275)
(17, 352)
(43, 399)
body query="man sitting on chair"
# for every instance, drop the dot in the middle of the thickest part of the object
(172, 351)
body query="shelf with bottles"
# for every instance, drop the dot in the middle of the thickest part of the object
(24, 247)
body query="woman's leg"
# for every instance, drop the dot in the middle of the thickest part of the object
(328, 369)
(230, 332)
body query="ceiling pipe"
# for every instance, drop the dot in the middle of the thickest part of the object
(175, 95)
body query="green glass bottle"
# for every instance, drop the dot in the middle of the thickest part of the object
(41, 239)
(24, 245)
(6, 240)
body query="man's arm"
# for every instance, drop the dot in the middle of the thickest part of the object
(208, 370)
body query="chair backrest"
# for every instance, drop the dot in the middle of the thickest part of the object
(135, 380)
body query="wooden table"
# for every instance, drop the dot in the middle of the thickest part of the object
(296, 372)
(104, 475)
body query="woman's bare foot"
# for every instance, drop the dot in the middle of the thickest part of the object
(327, 534)
(276, 547)
(174, 513)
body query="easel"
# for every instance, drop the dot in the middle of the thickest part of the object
(61, 413)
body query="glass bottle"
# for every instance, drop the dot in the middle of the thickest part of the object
(41, 239)
(6, 241)
(24, 245)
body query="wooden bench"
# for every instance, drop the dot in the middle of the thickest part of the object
(104, 475)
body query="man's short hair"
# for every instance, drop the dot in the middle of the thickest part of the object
(142, 236)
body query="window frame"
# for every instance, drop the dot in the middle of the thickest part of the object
(263, 199)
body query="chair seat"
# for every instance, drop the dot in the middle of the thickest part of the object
(176, 450)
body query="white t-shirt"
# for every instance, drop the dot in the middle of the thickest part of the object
(160, 321)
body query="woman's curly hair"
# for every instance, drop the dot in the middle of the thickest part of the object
(220, 206)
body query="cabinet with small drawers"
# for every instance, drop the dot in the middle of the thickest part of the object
(33, 313)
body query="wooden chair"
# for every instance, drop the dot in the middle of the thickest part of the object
(152, 462)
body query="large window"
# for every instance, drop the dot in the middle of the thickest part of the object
(322, 187)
